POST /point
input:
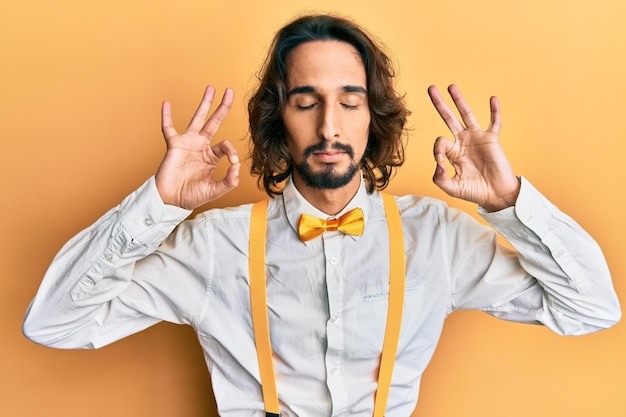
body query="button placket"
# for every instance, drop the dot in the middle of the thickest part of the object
(334, 330)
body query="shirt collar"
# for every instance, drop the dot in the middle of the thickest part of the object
(296, 205)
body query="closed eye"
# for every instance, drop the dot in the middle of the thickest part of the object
(309, 107)
(349, 107)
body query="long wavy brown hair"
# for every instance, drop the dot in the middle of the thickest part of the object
(271, 159)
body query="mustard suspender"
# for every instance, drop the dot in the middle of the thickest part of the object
(395, 303)
(258, 301)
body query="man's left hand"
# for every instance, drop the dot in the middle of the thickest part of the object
(482, 173)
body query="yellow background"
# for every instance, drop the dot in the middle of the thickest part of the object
(81, 84)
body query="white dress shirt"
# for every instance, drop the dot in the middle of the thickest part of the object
(327, 298)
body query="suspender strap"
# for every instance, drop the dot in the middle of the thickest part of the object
(258, 300)
(395, 302)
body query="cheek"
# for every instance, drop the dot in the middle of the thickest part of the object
(364, 133)
(295, 143)
(291, 132)
(295, 126)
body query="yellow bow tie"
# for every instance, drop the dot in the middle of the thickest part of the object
(350, 223)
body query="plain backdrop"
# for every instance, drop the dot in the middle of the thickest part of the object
(81, 84)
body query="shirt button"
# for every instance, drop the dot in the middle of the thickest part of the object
(334, 261)
(148, 221)
(334, 371)
(108, 256)
(334, 319)
(528, 218)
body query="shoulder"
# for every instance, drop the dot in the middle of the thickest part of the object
(424, 212)
(416, 205)
(435, 223)
(212, 223)
(236, 215)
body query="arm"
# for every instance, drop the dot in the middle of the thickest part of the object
(555, 275)
(558, 275)
(572, 292)
(89, 294)
(79, 302)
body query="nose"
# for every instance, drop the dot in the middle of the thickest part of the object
(329, 122)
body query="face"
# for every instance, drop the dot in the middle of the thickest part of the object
(327, 114)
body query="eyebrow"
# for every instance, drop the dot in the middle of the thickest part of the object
(307, 89)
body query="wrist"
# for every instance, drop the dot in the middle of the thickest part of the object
(507, 198)
(167, 197)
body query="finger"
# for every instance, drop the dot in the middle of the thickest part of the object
(441, 149)
(226, 148)
(496, 123)
(444, 111)
(230, 180)
(166, 121)
(464, 110)
(197, 121)
(442, 179)
(212, 125)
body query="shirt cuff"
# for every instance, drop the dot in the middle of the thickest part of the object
(146, 218)
(531, 211)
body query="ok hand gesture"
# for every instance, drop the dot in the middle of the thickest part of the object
(185, 176)
(482, 173)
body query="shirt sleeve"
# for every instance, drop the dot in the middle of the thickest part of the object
(100, 286)
(555, 274)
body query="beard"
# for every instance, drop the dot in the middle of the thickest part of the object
(327, 178)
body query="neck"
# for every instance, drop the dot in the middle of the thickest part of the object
(329, 201)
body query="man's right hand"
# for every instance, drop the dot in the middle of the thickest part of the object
(185, 176)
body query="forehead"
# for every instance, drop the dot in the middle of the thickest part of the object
(325, 65)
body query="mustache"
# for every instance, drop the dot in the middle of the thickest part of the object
(323, 146)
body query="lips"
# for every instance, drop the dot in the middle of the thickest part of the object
(330, 156)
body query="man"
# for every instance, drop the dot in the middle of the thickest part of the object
(327, 130)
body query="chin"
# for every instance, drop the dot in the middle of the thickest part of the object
(327, 178)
